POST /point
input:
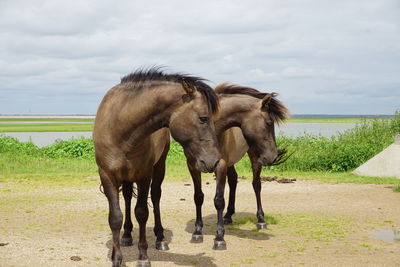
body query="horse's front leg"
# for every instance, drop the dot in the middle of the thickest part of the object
(114, 215)
(127, 190)
(158, 178)
(197, 236)
(219, 203)
(142, 214)
(232, 181)
(256, 167)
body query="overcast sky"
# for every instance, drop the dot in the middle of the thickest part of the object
(323, 57)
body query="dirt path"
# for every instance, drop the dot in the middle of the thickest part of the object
(317, 225)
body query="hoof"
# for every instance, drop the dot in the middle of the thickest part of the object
(261, 226)
(126, 241)
(143, 263)
(162, 245)
(228, 221)
(116, 259)
(117, 263)
(219, 245)
(196, 238)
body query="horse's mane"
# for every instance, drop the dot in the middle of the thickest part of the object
(156, 74)
(277, 110)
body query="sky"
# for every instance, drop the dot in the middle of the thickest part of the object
(322, 57)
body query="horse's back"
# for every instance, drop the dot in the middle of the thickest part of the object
(233, 145)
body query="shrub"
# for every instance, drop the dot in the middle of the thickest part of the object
(339, 153)
(11, 144)
(73, 148)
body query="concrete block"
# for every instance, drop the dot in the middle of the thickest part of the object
(384, 164)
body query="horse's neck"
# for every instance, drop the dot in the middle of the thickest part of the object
(151, 111)
(231, 111)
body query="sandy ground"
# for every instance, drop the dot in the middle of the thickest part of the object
(318, 225)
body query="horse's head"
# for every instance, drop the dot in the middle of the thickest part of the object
(192, 125)
(258, 127)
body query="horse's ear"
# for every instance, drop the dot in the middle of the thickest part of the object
(189, 89)
(267, 99)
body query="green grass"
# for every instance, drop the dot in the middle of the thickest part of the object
(331, 177)
(366, 244)
(75, 158)
(45, 119)
(41, 165)
(355, 119)
(315, 228)
(396, 188)
(46, 127)
(303, 230)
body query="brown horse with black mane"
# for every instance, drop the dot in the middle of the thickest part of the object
(235, 143)
(131, 146)
(245, 122)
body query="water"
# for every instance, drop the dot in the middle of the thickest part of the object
(324, 129)
(289, 129)
(388, 235)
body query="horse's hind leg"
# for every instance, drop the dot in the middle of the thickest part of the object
(232, 181)
(142, 214)
(158, 178)
(219, 203)
(197, 236)
(127, 190)
(256, 167)
(114, 216)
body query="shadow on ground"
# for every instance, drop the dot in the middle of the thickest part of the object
(210, 226)
(130, 254)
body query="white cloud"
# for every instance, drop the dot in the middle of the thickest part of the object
(61, 57)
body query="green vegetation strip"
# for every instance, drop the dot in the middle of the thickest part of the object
(46, 119)
(68, 125)
(314, 157)
(300, 119)
(46, 127)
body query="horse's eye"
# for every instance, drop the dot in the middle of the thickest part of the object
(269, 123)
(203, 119)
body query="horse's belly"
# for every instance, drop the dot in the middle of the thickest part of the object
(234, 146)
(238, 153)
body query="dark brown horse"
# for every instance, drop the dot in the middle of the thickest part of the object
(131, 146)
(245, 122)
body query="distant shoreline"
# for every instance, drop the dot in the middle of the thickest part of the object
(47, 116)
(293, 116)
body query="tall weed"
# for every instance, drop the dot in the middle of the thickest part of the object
(339, 153)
